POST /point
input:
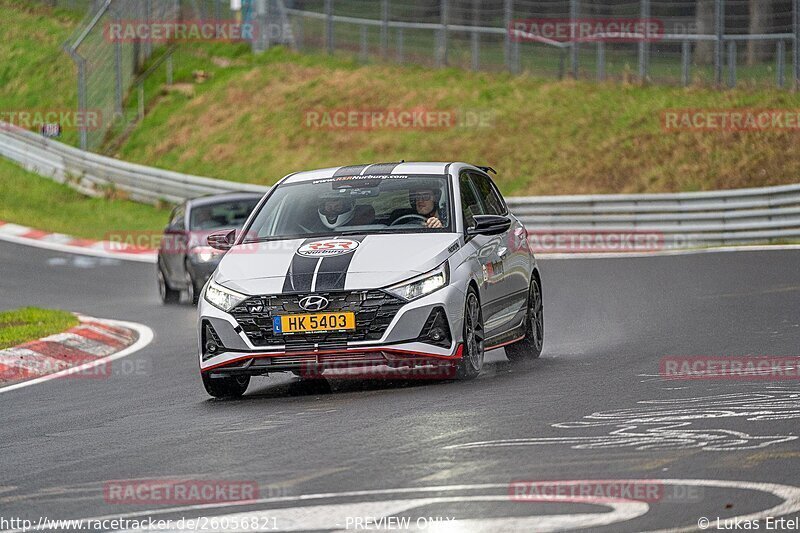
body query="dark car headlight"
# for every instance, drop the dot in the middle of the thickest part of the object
(205, 254)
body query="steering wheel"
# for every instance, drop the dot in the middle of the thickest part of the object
(421, 218)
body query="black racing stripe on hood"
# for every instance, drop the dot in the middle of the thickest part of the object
(301, 271)
(332, 272)
(381, 168)
(353, 170)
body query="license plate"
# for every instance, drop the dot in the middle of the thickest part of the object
(314, 323)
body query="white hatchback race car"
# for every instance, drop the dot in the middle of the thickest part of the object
(399, 265)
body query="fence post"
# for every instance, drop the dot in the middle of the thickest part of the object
(82, 104)
(170, 70)
(258, 25)
(399, 44)
(141, 101)
(384, 28)
(644, 44)
(508, 18)
(796, 47)
(475, 37)
(299, 33)
(780, 67)
(601, 61)
(719, 30)
(686, 49)
(266, 25)
(441, 58)
(148, 45)
(732, 64)
(329, 26)
(364, 45)
(118, 71)
(574, 8)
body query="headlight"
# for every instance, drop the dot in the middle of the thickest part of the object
(423, 285)
(204, 254)
(225, 299)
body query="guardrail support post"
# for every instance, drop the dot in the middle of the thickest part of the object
(574, 9)
(329, 26)
(508, 19)
(644, 44)
(780, 66)
(719, 30)
(384, 28)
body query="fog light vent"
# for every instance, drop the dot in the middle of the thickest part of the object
(436, 330)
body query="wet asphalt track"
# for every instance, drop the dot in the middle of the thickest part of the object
(608, 323)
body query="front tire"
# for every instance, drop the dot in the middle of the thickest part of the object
(530, 347)
(229, 387)
(168, 295)
(471, 362)
(192, 292)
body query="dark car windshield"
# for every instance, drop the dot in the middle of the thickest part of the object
(355, 204)
(223, 215)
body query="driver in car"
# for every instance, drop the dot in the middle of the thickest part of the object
(336, 211)
(425, 202)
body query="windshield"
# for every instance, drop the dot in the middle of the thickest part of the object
(224, 215)
(355, 204)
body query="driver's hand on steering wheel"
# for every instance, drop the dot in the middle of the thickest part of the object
(433, 223)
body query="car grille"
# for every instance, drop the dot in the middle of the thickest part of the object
(374, 310)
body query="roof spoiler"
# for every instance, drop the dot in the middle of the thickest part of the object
(488, 169)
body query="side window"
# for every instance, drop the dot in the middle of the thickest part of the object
(491, 197)
(470, 204)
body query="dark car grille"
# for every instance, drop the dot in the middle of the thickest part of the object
(374, 311)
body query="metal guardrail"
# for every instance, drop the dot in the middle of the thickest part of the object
(680, 219)
(95, 174)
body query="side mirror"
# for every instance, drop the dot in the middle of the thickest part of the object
(222, 240)
(489, 225)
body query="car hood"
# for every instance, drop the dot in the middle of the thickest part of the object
(332, 264)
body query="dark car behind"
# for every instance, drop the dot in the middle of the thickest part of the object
(185, 261)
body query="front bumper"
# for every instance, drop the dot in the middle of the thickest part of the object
(399, 346)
